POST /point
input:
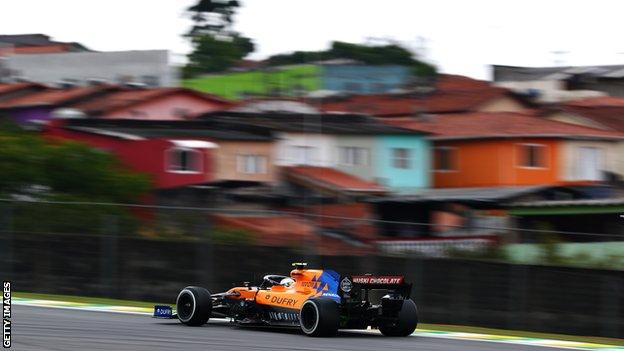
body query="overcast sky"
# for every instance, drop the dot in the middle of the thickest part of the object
(461, 36)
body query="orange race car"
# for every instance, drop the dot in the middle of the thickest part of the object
(318, 301)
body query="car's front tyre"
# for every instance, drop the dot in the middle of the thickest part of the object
(319, 317)
(194, 306)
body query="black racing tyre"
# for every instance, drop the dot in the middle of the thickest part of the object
(406, 321)
(319, 317)
(194, 306)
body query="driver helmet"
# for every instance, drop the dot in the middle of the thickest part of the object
(287, 282)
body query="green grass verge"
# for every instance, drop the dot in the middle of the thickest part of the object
(519, 333)
(89, 300)
(438, 327)
(232, 85)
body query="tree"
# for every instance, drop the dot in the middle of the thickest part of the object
(212, 17)
(215, 55)
(216, 47)
(369, 54)
(30, 166)
(45, 173)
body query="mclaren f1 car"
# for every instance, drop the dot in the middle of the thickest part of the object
(320, 302)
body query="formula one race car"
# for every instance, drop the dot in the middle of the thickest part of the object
(318, 301)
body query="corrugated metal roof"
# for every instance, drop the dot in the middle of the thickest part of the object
(478, 194)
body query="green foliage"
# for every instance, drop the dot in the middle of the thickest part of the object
(550, 249)
(215, 46)
(489, 253)
(36, 170)
(211, 54)
(231, 236)
(369, 54)
(212, 16)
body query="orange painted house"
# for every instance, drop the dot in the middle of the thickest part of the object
(512, 149)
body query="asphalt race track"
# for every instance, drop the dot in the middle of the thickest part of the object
(41, 328)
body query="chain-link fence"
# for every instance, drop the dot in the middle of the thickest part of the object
(150, 252)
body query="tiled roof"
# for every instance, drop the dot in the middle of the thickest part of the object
(331, 179)
(54, 96)
(393, 105)
(499, 125)
(448, 82)
(606, 112)
(599, 101)
(130, 97)
(36, 40)
(13, 87)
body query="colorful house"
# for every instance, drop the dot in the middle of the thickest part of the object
(394, 158)
(110, 101)
(513, 149)
(152, 104)
(178, 153)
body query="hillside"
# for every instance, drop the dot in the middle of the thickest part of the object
(283, 80)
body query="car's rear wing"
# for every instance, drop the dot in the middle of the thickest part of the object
(367, 282)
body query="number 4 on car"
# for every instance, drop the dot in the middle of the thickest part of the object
(319, 302)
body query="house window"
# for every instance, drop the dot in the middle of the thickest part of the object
(401, 158)
(184, 160)
(353, 156)
(532, 156)
(445, 159)
(304, 155)
(251, 164)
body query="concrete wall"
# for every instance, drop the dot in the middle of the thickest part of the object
(364, 78)
(226, 168)
(323, 146)
(574, 119)
(365, 171)
(82, 66)
(571, 163)
(504, 104)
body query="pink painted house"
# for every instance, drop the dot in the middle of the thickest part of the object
(152, 104)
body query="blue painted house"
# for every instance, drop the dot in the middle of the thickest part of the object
(363, 79)
(402, 162)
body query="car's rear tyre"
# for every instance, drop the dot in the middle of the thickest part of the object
(194, 306)
(319, 317)
(406, 321)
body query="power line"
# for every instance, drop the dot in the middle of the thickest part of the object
(307, 214)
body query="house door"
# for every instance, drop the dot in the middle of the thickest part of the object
(590, 163)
